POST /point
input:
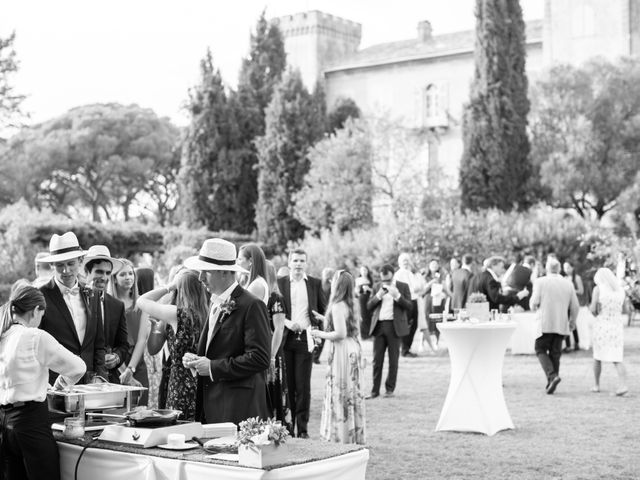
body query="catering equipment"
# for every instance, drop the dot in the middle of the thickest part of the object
(143, 417)
(148, 437)
(92, 396)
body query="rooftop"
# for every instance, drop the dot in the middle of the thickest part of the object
(416, 49)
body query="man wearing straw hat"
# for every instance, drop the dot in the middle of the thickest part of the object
(73, 316)
(98, 268)
(234, 348)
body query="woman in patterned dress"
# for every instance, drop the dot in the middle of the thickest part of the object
(343, 411)
(182, 323)
(608, 341)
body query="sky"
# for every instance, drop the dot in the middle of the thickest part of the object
(77, 52)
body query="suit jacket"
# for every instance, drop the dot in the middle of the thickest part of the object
(521, 278)
(556, 303)
(460, 285)
(115, 332)
(491, 288)
(402, 308)
(57, 320)
(239, 351)
(315, 297)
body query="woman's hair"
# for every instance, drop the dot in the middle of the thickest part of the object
(191, 294)
(133, 291)
(144, 280)
(272, 279)
(23, 299)
(258, 261)
(606, 280)
(342, 291)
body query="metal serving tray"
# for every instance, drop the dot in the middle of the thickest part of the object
(95, 396)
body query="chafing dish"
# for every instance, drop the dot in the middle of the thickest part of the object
(92, 396)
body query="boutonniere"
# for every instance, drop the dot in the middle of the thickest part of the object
(227, 307)
(87, 291)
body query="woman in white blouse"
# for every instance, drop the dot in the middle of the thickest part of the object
(27, 448)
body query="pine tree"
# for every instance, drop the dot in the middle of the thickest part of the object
(210, 161)
(495, 169)
(293, 125)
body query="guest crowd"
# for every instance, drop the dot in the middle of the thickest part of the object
(239, 339)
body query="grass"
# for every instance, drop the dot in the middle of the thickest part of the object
(573, 434)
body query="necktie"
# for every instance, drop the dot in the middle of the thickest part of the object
(72, 291)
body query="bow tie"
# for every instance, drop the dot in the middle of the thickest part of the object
(72, 291)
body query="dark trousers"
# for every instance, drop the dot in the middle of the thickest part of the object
(549, 349)
(28, 450)
(298, 363)
(575, 338)
(384, 338)
(318, 351)
(413, 325)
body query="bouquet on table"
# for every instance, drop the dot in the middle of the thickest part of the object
(261, 442)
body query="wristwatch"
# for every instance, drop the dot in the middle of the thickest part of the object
(133, 369)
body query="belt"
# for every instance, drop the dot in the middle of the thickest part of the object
(10, 406)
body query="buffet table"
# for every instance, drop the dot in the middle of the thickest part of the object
(475, 401)
(104, 461)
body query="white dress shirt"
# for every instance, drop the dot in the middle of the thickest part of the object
(26, 355)
(214, 313)
(75, 305)
(386, 307)
(300, 302)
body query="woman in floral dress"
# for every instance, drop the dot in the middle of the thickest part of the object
(343, 411)
(608, 341)
(182, 323)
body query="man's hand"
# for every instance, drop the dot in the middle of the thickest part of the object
(194, 362)
(393, 291)
(522, 293)
(111, 360)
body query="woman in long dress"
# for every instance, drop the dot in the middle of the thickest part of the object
(608, 340)
(182, 324)
(343, 411)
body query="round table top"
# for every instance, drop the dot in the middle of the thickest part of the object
(457, 325)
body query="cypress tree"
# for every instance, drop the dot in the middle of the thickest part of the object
(292, 126)
(495, 170)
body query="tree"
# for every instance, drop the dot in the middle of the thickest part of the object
(338, 189)
(210, 161)
(260, 72)
(344, 109)
(10, 101)
(292, 126)
(495, 170)
(98, 157)
(585, 127)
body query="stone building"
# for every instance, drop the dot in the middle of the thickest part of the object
(423, 82)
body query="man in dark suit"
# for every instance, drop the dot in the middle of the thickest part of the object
(390, 305)
(235, 345)
(461, 282)
(302, 296)
(98, 267)
(520, 278)
(73, 315)
(489, 284)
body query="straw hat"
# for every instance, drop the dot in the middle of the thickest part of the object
(215, 254)
(63, 247)
(101, 252)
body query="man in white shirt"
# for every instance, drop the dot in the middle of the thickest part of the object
(73, 315)
(416, 288)
(302, 296)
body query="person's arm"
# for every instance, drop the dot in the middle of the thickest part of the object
(99, 349)
(149, 303)
(534, 301)
(54, 356)
(574, 307)
(138, 350)
(121, 342)
(278, 330)
(401, 296)
(339, 316)
(374, 300)
(579, 286)
(595, 298)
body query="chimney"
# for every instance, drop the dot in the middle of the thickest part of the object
(424, 31)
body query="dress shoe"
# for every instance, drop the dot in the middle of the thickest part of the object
(303, 435)
(388, 394)
(409, 355)
(553, 384)
(372, 395)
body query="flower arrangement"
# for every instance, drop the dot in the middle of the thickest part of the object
(227, 307)
(477, 297)
(254, 431)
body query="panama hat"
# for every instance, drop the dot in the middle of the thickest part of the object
(101, 252)
(63, 247)
(215, 254)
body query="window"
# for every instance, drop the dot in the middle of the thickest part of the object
(435, 103)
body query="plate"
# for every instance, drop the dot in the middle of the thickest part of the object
(221, 442)
(185, 446)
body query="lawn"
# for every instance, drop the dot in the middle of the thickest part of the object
(573, 434)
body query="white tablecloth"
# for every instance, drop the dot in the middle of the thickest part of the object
(475, 401)
(101, 464)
